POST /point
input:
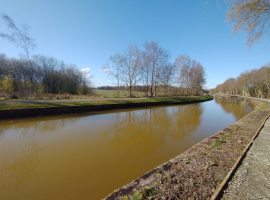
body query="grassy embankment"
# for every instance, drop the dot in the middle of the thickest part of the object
(31, 104)
(10, 109)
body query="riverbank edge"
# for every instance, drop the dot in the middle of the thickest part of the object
(70, 109)
(198, 172)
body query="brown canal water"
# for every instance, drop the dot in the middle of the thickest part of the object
(87, 156)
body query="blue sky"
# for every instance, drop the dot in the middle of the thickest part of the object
(88, 32)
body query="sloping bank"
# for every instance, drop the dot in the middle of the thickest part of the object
(21, 109)
(199, 172)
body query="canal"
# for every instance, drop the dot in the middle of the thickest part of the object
(87, 156)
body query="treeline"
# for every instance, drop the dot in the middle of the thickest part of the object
(19, 77)
(255, 83)
(147, 70)
(35, 75)
(150, 68)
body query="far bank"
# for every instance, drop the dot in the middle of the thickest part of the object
(11, 109)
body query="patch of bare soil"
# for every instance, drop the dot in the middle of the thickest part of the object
(196, 173)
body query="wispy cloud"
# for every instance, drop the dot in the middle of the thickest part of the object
(86, 71)
(105, 69)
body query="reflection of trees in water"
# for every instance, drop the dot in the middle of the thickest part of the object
(175, 121)
(188, 119)
(38, 125)
(151, 126)
(159, 133)
(237, 106)
(125, 136)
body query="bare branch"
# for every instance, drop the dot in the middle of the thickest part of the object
(18, 36)
(252, 16)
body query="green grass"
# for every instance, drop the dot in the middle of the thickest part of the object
(146, 192)
(21, 104)
(137, 196)
(114, 93)
(217, 142)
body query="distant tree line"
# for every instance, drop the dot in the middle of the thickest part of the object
(255, 83)
(147, 69)
(252, 16)
(44, 75)
(150, 68)
(35, 75)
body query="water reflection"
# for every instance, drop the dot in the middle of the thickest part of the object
(88, 156)
(231, 105)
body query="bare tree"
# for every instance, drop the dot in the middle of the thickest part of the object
(252, 16)
(146, 71)
(48, 67)
(45, 75)
(252, 83)
(128, 68)
(197, 76)
(191, 75)
(132, 68)
(155, 56)
(115, 69)
(183, 64)
(18, 36)
(166, 76)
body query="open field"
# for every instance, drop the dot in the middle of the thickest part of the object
(114, 93)
(95, 93)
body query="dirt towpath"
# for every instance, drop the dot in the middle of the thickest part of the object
(252, 179)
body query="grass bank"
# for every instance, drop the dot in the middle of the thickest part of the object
(198, 172)
(29, 108)
(115, 94)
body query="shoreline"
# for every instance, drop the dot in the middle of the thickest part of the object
(71, 107)
(200, 171)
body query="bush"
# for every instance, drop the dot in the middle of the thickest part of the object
(6, 84)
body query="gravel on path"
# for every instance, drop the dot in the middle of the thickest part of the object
(252, 179)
